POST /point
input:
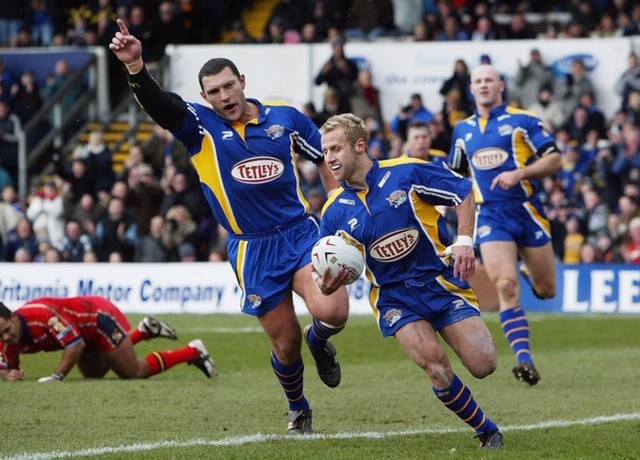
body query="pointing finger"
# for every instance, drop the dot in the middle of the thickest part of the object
(123, 27)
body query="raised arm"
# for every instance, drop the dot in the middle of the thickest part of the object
(166, 109)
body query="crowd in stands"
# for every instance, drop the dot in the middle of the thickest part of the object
(152, 209)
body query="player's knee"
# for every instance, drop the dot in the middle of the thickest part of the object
(546, 290)
(506, 286)
(287, 351)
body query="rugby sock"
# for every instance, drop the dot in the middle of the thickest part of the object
(516, 330)
(160, 361)
(137, 336)
(320, 333)
(458, 398)
(291, 377)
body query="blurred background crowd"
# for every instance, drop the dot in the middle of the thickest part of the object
(151, 209)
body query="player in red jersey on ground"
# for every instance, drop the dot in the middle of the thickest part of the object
(94, 335)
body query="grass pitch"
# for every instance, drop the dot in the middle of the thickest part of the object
(585, 407)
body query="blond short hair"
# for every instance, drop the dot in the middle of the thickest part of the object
(354, 127)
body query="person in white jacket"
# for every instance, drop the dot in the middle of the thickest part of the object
(46, 212)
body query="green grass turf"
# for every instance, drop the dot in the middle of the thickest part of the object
(383, 409)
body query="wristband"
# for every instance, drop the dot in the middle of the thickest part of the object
(135, 67)
(464, 240)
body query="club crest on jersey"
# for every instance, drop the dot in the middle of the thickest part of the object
(394, 245)
(397, 198)
(117, 336)
(505, 130)
(392, 316)
(257, 170)
(255, 300)
(483, 231)
(275, 131)
(58, 327)
(489, 158)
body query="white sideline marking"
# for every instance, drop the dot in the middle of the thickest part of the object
(258, 438)
(230, 330)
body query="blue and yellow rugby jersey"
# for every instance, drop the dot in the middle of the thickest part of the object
(395, 221)
(511, 138)
(247, 171)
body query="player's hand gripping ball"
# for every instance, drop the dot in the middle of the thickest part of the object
(334, 252)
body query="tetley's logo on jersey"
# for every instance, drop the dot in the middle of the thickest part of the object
(395, 245)
(257, 170)
(489, 158)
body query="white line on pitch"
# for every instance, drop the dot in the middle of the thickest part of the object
(258, 438)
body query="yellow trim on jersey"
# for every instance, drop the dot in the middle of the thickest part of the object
(206, 163)
(542, 222)
(428, 216)
(516, 111)
(240, 258)
(374, 296)
(466, 294)
(521, 154)
(482, 124)
(336, 193)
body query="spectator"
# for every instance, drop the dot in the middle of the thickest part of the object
(550, 111)
(85, 209)
(5, 176)
(459, 81)
(149, 248)
(631, 250)
(77, 181)
(10, 214)
(187, 253)
(61, 74)
(332, 104)
(99, 161)
(369, 19)
(485, 29)
(184, 193)
(309, 33)
(218, 249)
(405, 15)
(12, 17)
(573, 84)
(364, 98)
(23, 255)
(274, 33)
(289, 12)
(596, 214)
(146, 196)
(606, 251)
(76, 243)
(20, 237)
(587, 253)
(414, 111)
(451, 30)
(418, 144)
(532, 77)
(180, 228)
(633, 107)
(116, 232)
(421, 32)
(165, 29)
(46, 212)
(163, 149)
(573, 241)
(518, 28)
(9, 129)
(7, 81)
(239, 34)
(52, 255)
(627, 157)
(339, 72)
(26, 97)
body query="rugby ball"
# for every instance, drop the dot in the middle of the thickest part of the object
(334, 252)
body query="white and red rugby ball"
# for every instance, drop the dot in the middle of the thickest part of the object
(334, 252)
